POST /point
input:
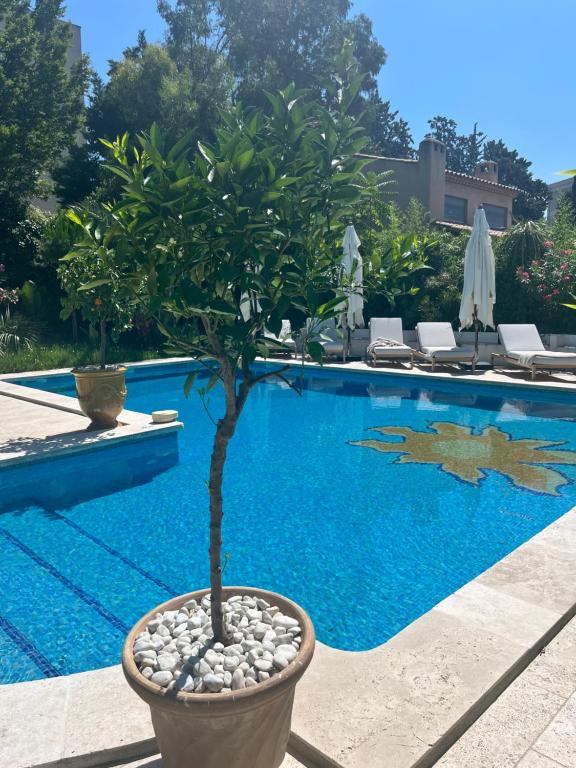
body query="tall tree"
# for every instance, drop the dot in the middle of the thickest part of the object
(463, 151)
(515, 170)
(41, 107)
(389, 134)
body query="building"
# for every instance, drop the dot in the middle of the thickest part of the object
(556, 190)
(74, 54)
(451, 198)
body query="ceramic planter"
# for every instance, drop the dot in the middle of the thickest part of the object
(248, 728)
(101, 393)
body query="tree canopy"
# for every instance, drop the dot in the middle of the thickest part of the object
(41, 107)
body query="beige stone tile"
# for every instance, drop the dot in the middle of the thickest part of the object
(505, 615)
(555, 668)
(32, 722)
(539, 574)
(388, 706)
(534, 760)
(500, 737)
(558, 741)
(107, 714)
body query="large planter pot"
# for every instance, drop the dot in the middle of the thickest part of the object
(248, 728)
(101, 393)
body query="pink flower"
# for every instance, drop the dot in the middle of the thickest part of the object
(566, 278)
(2, 268)
(563, 266)
(547, 296)
(565, 252)
(548, 243)
(555, 292)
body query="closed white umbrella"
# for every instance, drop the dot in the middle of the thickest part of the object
(352, 269)
(479, 290)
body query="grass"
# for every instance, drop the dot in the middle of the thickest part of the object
(45, 357)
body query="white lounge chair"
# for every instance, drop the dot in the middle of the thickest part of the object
(524, 349)
(387, 341)
(283, 343)
(332, 340)
(438, 345)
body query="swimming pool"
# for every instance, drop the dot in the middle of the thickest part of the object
(319, 505)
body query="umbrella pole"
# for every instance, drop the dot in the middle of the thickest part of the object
(476, 330)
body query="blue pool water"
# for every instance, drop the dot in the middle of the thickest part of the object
(90, 542)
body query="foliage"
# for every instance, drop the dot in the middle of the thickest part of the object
(553, 277)
(93, 285)
(45, 357)
(466, 151)
(41, 107)
(563, 229)
(15, 331)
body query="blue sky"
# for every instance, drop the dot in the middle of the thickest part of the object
(507, 64)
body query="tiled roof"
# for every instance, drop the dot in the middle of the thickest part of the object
(468, 177)
(467, 227)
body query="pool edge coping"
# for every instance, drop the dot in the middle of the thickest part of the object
(323, 734)
(133, 425)
(349, 367)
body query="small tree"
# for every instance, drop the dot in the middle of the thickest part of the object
(259, 214)
(93, 286)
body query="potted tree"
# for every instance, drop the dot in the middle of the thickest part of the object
(259, 214)
(93, 288)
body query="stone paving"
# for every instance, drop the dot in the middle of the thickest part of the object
(533, 723)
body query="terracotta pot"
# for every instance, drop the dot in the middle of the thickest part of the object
(248, 728)
(101, 393)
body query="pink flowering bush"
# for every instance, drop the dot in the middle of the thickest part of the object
(7, 295)
(553, 277)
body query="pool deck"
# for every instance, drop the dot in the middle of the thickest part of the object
(405, 704)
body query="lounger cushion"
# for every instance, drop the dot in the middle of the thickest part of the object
(436, 335)
(449, 353)
(553, 359)
(386, 328)
(520, 337)
(384, 351)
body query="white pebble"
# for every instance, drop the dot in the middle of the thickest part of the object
(161, 678)
(238, 680)
(214, 683)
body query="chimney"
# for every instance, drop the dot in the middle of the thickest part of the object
(432, 171)
(487, 170)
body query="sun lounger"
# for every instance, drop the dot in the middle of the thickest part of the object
(524, 349)
(387, 341)
(282, 344)
(332, 340)
(438, 345)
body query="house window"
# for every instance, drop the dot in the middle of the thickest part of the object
(455, 209)
(497, 216)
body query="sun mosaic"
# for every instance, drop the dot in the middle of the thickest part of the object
(466, 455)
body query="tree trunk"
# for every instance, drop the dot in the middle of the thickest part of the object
(75, 328)
(102, 343)
(224, 432)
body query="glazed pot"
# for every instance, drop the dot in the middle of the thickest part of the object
(248, 728)
(101, 393)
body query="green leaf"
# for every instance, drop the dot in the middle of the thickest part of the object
(95, 284)
(189, 383)
(243, 161)
(316, 351)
